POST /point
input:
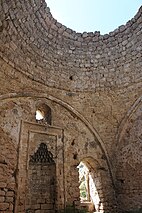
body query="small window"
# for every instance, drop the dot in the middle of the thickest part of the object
(43, 114)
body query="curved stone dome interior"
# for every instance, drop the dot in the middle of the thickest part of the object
(83, 61)
(91, 84)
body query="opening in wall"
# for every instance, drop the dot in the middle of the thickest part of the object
(89, 196)
(43, 114)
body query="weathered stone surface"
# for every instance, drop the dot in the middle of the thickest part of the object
(4, 206)
(93, 84)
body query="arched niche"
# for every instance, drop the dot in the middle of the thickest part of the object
(41, 191)
(43, 113)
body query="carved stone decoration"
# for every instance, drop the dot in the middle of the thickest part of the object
(41, 184)
(42, 155)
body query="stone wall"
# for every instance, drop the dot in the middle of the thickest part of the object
(48, 52)
(7, 173)
(92, 84)
(128, 174)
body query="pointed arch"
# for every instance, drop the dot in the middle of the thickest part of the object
(72, 110)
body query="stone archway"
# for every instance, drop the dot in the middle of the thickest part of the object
(76, 114)
(27, 144)
(94, 185)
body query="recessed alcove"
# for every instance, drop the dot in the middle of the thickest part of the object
(41, 181)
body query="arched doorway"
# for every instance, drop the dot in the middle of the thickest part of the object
(90, 185)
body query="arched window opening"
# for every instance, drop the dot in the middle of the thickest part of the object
(89, 195)
(43, 114)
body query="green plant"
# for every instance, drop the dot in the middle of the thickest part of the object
(83, 190)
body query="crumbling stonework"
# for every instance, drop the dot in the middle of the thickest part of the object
(91, 85)
(129, 160)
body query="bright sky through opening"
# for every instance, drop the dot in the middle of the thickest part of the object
(93, 15)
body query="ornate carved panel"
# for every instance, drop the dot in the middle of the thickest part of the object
(42, 155)
(40, 162)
